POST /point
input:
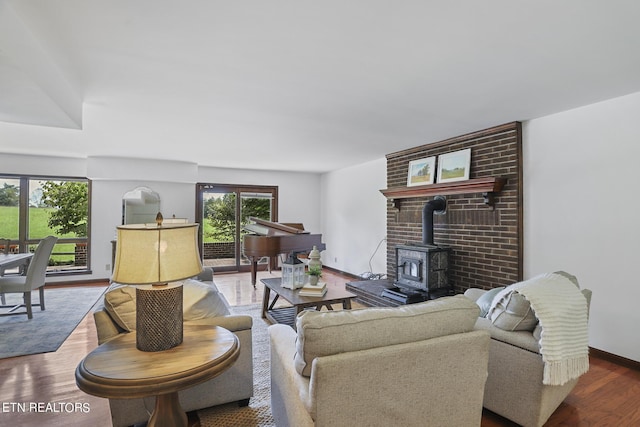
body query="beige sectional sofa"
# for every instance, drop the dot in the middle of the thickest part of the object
(515, 388)
(414, 365)
(204, 305)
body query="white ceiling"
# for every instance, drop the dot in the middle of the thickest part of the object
(297, 85)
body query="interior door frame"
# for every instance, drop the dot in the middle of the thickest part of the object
(238, 190)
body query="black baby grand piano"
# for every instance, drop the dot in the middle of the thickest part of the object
(270, 239)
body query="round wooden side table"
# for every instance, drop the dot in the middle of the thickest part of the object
(117, 369)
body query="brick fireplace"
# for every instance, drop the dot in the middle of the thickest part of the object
(484, 239)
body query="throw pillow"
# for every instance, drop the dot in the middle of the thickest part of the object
(202, 300)
(512, 312)
(486, 299)
(120, 303)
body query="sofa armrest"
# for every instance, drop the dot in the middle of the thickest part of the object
(206, 275)
(107, 329)
(233, 323)
(289, 390)
(105, 326)
(474, 293)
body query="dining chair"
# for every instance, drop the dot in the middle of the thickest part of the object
(5, 245)
(34, 279)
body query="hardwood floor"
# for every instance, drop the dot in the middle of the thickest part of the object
(49, 378)
(608, 395)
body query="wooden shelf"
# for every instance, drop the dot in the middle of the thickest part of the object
(487, 186)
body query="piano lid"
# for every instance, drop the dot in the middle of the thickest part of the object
(269, 228)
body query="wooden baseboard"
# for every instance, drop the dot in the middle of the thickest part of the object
(614, 358)
(342, 273)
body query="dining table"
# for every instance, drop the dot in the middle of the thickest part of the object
(9, 261)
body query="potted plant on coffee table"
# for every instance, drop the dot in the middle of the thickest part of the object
(314, 273)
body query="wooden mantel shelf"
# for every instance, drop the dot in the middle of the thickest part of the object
(487, 186)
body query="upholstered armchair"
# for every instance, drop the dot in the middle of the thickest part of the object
(519, 387)
(415, 365)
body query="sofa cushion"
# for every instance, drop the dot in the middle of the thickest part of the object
(199, 300)
(486, 299)
(522, 339)
(333, 332)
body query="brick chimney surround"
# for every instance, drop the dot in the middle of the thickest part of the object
(483, 229)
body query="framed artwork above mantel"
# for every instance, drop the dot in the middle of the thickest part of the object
(421, 172)
(454, 166)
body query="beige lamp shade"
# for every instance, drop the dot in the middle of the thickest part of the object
(151, 254)
(157, 254)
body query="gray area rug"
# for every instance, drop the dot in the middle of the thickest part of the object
(258, 413)
(64, 309)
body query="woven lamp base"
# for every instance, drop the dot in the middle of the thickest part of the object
(158, 317)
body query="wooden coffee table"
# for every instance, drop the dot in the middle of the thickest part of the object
(287, 315)
(118, 370)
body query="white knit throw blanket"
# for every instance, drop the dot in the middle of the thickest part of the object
(562, 312)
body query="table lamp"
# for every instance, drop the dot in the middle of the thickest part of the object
(150, 256)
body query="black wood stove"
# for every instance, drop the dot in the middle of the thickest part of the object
(422, 268)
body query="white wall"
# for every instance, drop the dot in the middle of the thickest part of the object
(106, 214)
(580, 211)
(354, 218)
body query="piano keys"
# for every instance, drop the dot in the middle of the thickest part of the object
(271, 239)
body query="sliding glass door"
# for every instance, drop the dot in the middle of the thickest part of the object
(223, 210)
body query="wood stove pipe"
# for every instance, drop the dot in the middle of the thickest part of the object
(439, 205)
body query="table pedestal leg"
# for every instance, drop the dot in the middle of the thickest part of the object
(168, 412)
